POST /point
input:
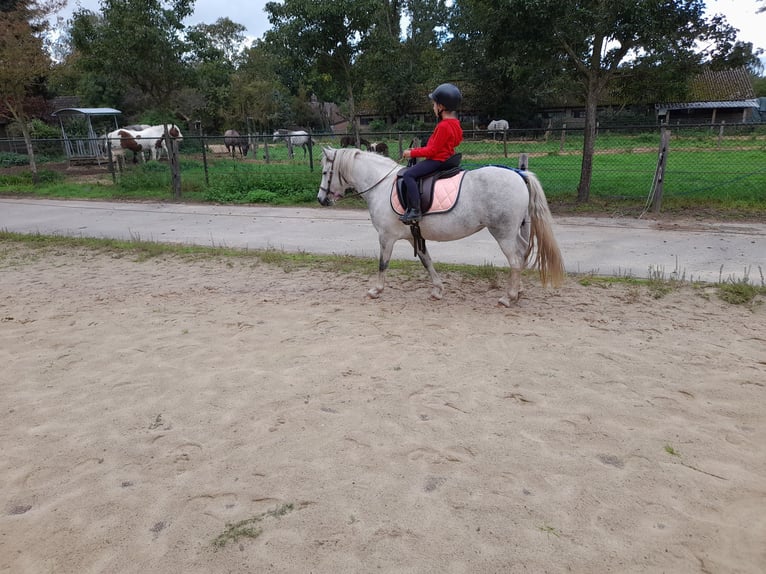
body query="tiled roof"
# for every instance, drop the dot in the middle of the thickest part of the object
(721, 86)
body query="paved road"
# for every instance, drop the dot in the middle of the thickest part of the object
(603, 246)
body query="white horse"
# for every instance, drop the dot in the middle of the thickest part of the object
(497, 126)
(511, 206)
(294, 138)
(153, 138)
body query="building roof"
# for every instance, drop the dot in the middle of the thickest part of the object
(709, 105)
(718, 89)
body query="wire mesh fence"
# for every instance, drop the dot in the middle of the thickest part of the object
(713, 162)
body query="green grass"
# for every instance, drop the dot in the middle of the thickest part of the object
(701, 177)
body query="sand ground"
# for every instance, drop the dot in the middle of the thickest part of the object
(226, 415)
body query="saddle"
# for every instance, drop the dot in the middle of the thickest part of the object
(449, 168)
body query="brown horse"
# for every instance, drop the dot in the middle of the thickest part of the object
(233, 141)
(350, 141)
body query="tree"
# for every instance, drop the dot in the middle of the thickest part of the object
(214, 53)
(136, 44)
(592, 42)
(320, 42)
(400, 69)
(495, 54)
(256, 91)
(23, 63)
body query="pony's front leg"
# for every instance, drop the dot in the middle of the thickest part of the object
(386, 249)
(437, 289)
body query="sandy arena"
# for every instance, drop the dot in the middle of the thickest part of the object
(224, 415)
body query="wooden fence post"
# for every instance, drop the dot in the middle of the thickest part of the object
(109, 155)
(175, 166)
(505, 143)
(204, 151)
(720, 134)
(311, 152)
(659, 176)
(563, 137)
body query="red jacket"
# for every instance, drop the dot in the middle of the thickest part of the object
(442, 143)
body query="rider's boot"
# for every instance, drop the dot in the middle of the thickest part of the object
(412, 215)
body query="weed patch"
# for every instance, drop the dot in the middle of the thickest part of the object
(248, 528)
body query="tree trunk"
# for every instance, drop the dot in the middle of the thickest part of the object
(589, 143)
(30, 150)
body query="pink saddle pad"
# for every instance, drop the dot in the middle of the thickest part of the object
(446, 192)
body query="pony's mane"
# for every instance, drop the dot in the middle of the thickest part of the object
(345, 158)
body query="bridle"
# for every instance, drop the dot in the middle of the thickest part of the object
(329, 179)
(356, 193)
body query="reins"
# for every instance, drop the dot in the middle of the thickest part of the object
(373, 186)
(356, 193)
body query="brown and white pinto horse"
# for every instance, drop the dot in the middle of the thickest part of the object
(125, 139)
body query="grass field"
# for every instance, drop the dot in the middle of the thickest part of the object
(720, 176)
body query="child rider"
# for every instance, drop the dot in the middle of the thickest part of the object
(440, 147)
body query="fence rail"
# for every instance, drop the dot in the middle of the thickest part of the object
(701, 161)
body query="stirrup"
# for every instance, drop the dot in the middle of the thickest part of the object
(410, 216)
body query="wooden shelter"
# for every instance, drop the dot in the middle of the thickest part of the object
(79, 127)
(715, 96)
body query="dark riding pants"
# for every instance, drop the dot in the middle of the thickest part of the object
(420, 169)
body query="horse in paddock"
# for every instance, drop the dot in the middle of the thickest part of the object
(350, 141)
(496, 126)
(511, 204)
(125, 139)
(154, 136)
(233, 142)
(378, 147)
(298, 138)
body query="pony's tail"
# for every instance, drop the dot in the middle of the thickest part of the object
(548, 258)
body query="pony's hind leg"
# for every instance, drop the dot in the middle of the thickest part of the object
(515, 250)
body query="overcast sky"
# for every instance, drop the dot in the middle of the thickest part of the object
(740, 14)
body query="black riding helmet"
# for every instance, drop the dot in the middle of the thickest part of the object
(447, 95)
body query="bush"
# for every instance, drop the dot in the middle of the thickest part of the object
(10, 159)
(378, 126)
(25, 178)
(276, 189)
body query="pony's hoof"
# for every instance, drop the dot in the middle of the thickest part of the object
(437, 295)
(507, 301)
(373, 293)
